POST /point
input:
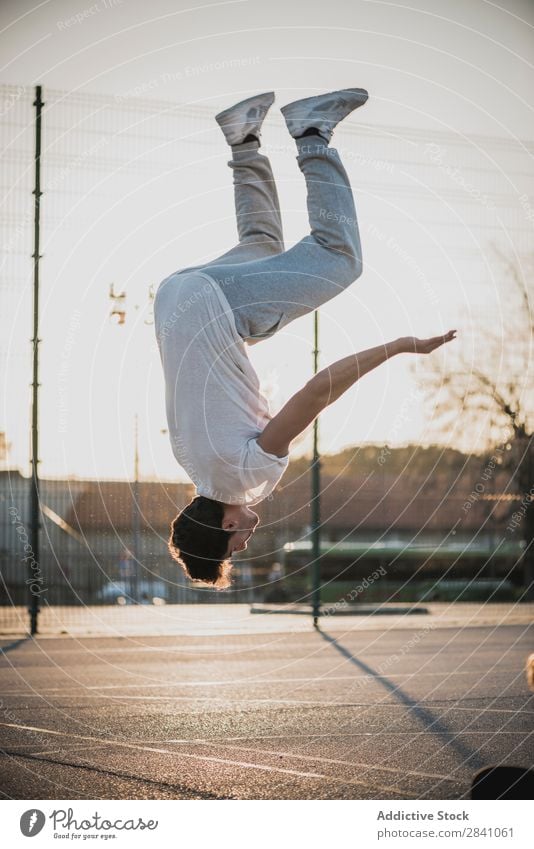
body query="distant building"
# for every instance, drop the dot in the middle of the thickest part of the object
(423, 519)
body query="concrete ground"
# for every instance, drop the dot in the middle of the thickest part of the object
(218, 703)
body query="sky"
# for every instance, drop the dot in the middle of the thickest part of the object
(440, 159)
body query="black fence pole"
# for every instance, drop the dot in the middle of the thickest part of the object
(316, 496)
(35, 513)
(135, 518)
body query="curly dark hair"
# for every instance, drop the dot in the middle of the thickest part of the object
(199, 543)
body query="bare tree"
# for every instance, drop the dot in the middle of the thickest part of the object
(485, 389)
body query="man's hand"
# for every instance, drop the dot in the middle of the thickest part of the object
(413, 345)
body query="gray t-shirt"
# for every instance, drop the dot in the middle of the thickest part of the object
(215, 410)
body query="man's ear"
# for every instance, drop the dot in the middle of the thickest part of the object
(228, 523)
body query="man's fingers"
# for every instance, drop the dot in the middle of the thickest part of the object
(434, 342)
(425, 346)
(447, 337)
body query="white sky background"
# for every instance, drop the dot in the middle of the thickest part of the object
(462, 69)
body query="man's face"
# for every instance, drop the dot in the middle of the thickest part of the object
(241, 521)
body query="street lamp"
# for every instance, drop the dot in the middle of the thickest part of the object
(118, 316)
(118, 306)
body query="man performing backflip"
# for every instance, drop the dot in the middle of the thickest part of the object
(220, 427)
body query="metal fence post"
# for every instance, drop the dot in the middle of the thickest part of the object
(316, 495)
(34, 491)
(136, 517)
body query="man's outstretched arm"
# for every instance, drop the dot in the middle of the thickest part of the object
(330, 383)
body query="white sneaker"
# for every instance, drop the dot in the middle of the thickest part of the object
(324, 111)
(245, 118)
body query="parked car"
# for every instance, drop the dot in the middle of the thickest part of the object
(130, 591)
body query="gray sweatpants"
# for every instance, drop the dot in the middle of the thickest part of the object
(266, 286)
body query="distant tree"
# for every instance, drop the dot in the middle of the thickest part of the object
(485, 386)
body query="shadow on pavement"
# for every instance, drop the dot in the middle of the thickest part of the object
(425, 717)
(14, 645)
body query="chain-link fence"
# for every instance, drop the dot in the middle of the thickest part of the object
(94, 549)
(123, 206)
